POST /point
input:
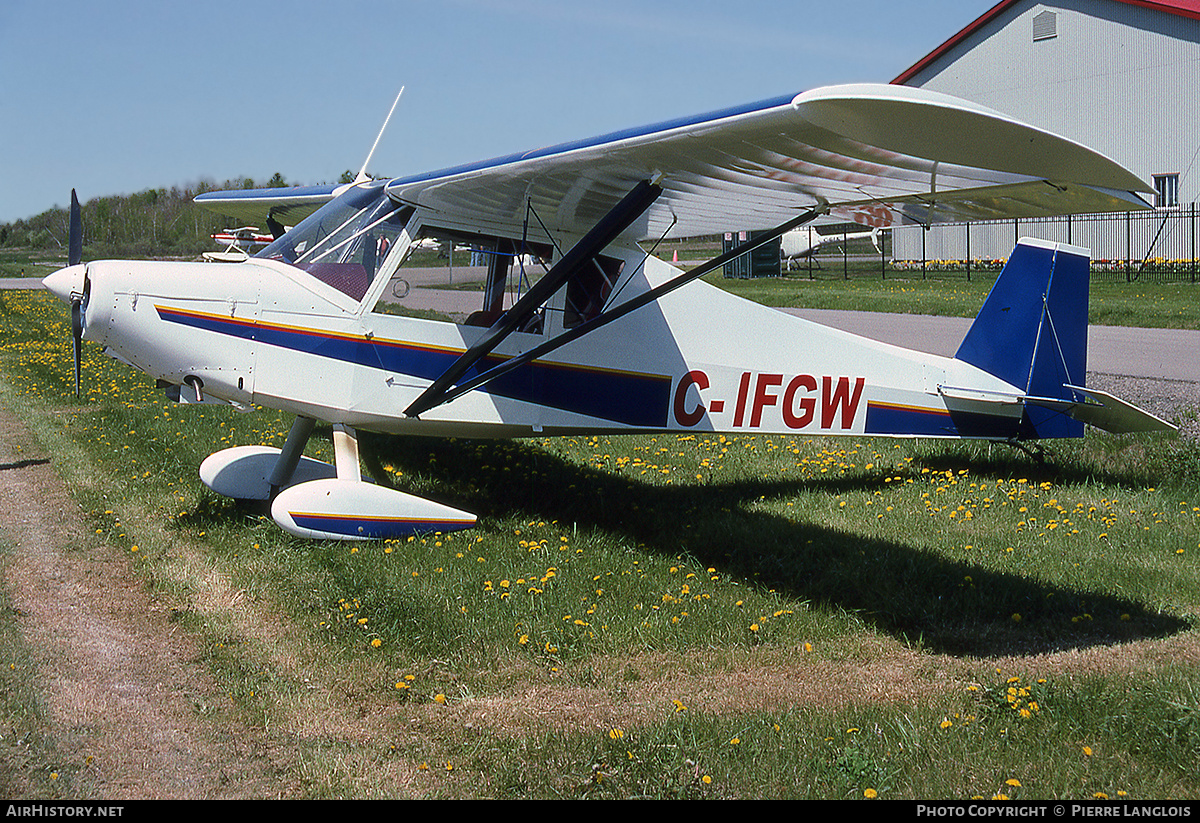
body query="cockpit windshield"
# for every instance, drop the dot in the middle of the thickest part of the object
(344, 242)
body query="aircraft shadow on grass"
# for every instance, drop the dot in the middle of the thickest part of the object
(945, 606)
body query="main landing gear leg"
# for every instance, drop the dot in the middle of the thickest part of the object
(345, 453)
(293, 450)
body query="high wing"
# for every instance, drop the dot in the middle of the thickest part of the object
(882, 155)
(258, 206)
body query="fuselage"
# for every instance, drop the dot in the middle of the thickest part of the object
(268, 333)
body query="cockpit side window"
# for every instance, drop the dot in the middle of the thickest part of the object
(588, 289)
(487, 273)
(343, 243)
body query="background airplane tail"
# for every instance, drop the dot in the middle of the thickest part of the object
(1032, 333)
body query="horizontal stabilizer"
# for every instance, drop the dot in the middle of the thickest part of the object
(1099, 409)
(1104, 411)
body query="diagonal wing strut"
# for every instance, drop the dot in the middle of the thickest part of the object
(625, 308)
(631, 207)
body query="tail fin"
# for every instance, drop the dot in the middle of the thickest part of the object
(1032, 332)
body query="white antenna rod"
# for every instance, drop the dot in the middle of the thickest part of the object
(362, 174)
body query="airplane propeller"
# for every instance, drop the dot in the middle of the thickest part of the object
(74, 258)
(75, 237)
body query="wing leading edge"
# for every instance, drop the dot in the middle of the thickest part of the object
(285, 205)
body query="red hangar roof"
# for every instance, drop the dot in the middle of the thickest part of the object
(1183, 8)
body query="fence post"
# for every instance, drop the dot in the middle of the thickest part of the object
(924, 231)
(882, 257)
(968, 228)
(1128, 248)
(811, 254)
(1193, 221)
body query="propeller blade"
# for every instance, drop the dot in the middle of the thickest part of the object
(77, 336)
(75, 242)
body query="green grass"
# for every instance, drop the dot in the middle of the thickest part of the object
(894, 591)
(17, 262)
(1112, 302)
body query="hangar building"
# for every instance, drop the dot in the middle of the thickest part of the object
(1120, 76)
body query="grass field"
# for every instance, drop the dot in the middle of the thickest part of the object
(659, 616)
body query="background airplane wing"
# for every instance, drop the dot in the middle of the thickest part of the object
(286, 205)
(881, 155)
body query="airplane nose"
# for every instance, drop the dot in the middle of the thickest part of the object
(66, 282)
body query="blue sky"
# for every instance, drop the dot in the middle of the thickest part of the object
(117, 97)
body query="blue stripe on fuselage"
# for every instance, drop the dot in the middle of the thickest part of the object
(895, 419)
(631, 398)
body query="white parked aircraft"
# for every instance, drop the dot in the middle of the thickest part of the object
(611, 339)
(798, 244)
(238, 243)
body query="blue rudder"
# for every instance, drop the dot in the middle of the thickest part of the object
(1032, 330)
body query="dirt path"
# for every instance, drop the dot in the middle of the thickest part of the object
(121, 682)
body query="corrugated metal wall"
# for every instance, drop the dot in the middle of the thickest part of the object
(1122, 79)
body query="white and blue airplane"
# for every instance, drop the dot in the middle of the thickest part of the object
(611, 339)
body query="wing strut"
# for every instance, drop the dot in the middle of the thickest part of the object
(631, 207)
(625, 308)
